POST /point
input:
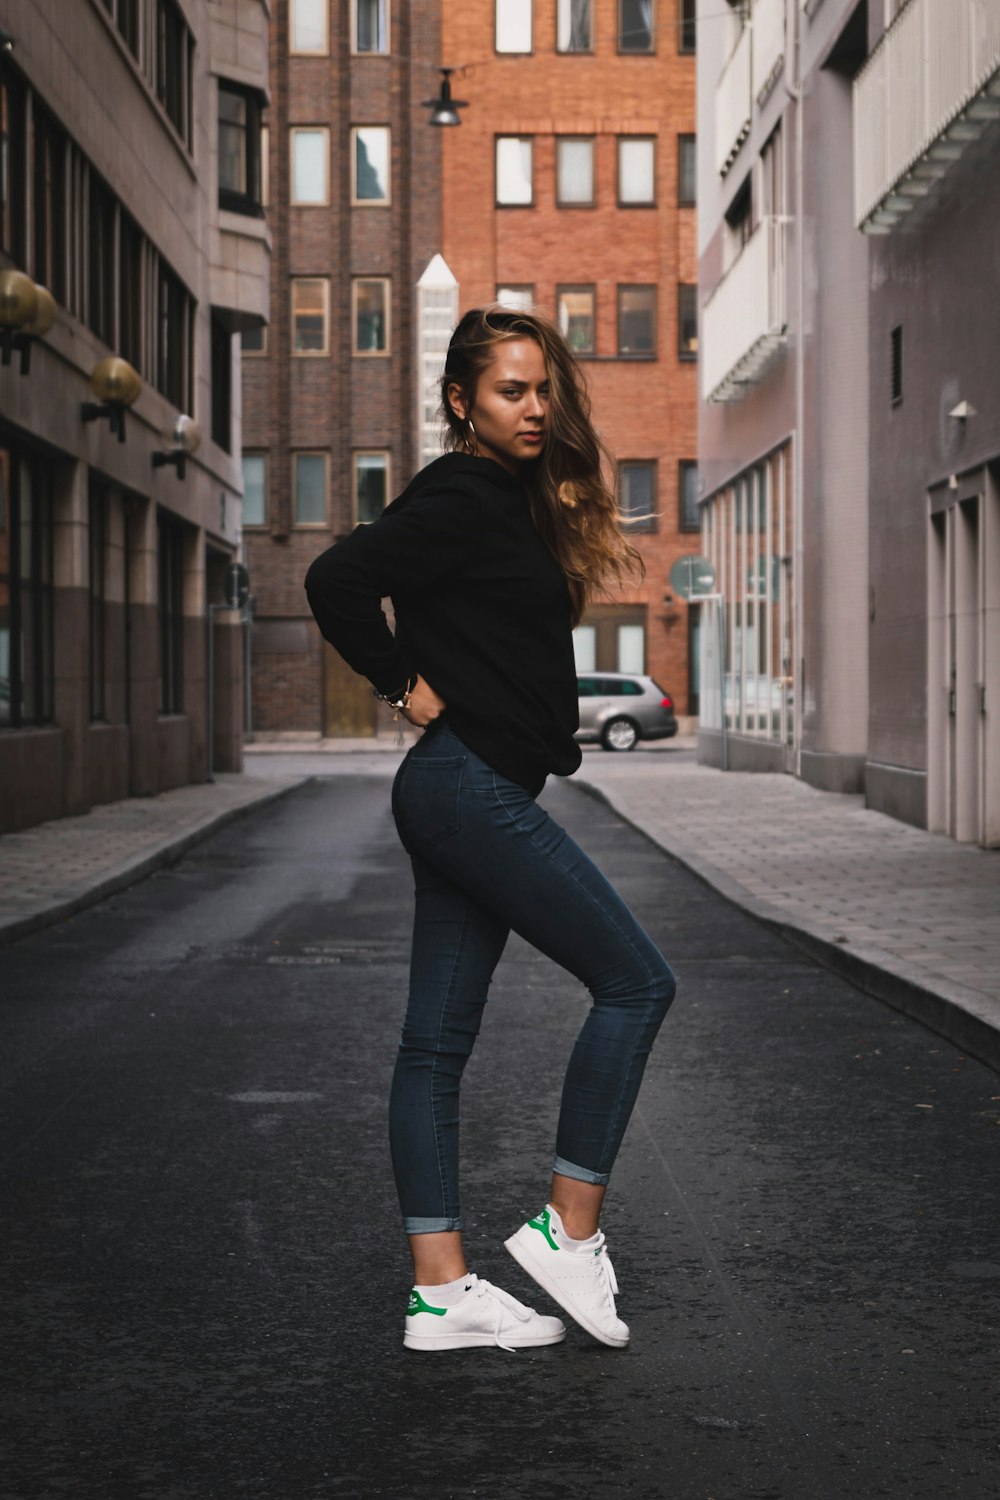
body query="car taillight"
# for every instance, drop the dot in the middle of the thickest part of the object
(667, 703)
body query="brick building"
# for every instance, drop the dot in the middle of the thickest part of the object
(332, 426)
(129, 193)
(570, 186)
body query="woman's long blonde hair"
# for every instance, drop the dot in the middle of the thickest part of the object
(572, 505)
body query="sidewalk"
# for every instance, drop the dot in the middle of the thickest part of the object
(911, 917)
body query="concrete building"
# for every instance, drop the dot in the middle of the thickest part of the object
(332, 425)
(570, 187)
(847, 151)
(130, 191)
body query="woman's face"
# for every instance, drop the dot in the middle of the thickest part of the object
(511, 408)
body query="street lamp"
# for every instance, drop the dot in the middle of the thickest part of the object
(182, 438)
(18, 310)
(116, 386)
(445, 108)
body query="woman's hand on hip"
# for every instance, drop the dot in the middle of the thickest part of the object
(425, 705)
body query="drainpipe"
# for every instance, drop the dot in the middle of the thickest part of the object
(794, 92)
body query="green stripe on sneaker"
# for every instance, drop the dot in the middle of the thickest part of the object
(542, 1222)
(418, 1305)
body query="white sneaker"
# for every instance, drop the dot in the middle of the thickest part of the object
(485, 1315)
(581, 1281)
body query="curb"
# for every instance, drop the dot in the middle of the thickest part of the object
(132, 870)
(952, 1010)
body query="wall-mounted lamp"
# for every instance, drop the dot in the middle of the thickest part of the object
(182, 439)
(116, 386)
(445, 108)
(18, 310)
(963, 411)
(6, 41)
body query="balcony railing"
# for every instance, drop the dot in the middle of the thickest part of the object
(929, 89)
(768, 23)
(743, 323)
(732, 104)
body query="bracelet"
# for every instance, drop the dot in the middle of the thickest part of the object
(399, 701)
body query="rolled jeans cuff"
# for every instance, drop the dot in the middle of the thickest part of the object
(580, 1174)
(430, 1226)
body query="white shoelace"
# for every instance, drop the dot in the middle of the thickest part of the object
(605, 1272)
(501, 1300)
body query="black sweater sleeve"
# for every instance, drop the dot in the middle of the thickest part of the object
(414, 546)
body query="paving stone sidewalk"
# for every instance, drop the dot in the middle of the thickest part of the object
(910, 916)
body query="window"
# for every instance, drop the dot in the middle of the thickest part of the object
(310, 165)
(513, 25)
(371, 485)
(371, 315)
(637, 497)
(50, 203)
(170, 601)
(518, 298)
(308, 32)
(130, 303)
(265, 166)
(635, 25)
(309, 484)
(514, 174)
(102, 207)
(896, 363)
(576, 317)
(174, 47)
(687, 321)
(26, 612)
(686, 25)
(585, 656)
(125, 14)
(239, 149)
(636, 170)
(97, 558)
(370, 164)
(574, 26)
(13, 163)
(370, 25)
(222, 385)
(631, 644)
(254, 340)
(310, 301)
(254, 489)
(574, 171)
(637, 320)
(687, 489)
(687, 170)
(175, 313)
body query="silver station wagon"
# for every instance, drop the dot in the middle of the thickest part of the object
(621, 708)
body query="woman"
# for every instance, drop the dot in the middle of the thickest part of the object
(489, 556)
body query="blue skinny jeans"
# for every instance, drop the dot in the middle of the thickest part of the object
(487, 860)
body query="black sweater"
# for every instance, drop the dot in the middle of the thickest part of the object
(482, 613)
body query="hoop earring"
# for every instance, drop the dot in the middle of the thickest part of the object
(470, 438)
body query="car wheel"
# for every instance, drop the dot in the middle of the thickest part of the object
(620, 734)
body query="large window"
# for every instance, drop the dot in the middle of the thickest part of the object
(519, 297)
(254, 489)
(51, 150)
(222, 385)
(125, 14)
(174, 50)
(514, 175)
(170, 601)
(308, 26)
(310, 165)
(102, 208)
(310, 315)
(574, 25)
(574, 171)
(636, 170)
(687, 170)
(637, 320)
(687, 487)
(239, 149)
(130, 289)
(370, 156)
(175, 315)
(687, 321)
(371, 485)
(370, 25)
(576, 317)
(686, 25)
(26, 657)
(637, 494)
(513, 25)
(97, 557)
(309, 488)
(635, 25)
(371, 315)
(13, 163)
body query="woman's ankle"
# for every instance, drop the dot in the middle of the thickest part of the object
(437, 1258)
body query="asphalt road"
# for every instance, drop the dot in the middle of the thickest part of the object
(203, 1280)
